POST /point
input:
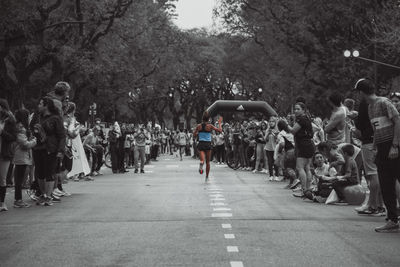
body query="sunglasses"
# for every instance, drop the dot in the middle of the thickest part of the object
(395, 94)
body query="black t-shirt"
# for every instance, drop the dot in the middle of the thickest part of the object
(363, 123)
(305, 132)
(259, 139)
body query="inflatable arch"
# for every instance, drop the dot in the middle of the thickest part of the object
(240, 106)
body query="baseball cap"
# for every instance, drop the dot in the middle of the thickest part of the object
(365, 85)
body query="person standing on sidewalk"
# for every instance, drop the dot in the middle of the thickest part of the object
(8, 134)
(385, 121)
(22, 155)
(374, 205)
(140, 137)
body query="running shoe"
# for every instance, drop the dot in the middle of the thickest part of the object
(295, 184)
(380, 212)
(48, 202)
(368, 211)
(41, 200)
(89, 178)
(21, 204)
(207, 179)
(201, 168)
(66, 194)
(55, 199)
(362, 208)
(3, 207)
(389, 227)
(57, 193)
(278, 178)
(136, 171)
(141, 171)
(299, 194)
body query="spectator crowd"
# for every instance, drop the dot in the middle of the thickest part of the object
(323, 160)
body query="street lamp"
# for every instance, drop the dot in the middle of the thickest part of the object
(356, 54)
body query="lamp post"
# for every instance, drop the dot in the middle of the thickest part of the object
(356, 54)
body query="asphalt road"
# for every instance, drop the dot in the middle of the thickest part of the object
(170, 217)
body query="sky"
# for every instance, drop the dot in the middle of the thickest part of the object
(194, 13)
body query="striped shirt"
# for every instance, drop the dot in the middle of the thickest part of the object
(381, 114)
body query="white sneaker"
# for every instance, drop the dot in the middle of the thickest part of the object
(66, 193)
(254, 171)
(271, 178)
(362, 208)
(58, 192)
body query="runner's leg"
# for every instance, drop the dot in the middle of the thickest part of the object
(208, 157)
(202, 156)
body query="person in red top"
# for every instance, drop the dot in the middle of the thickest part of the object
(203, 131)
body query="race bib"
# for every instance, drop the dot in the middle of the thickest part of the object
(381, 122)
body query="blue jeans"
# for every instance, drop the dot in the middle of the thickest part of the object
(140, 152)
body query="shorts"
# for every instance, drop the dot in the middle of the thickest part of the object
(204, 146)
(305, 149)
(368, 156)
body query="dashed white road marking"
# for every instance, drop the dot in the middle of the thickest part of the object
(172, 166)
(221, 215)
(222, 209)
(217, 199)
(216, 195)
(232, 249)
(149, 171)
(236, 264)
(215, 189)
(229, 236)
(226, 226)
(217, 204)
(150, 166)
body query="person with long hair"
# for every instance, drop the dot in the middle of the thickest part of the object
(8, 134)
(304, 146)
(50, 151)
(203, 131)
(22, 154)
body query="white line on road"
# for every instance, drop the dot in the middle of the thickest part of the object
(221, 215)
(236, 264)
(217, 199)
(226, 226)
(217, 204)
(172, 166)
(215, 189)
(150, 166)
(222, 209)
(216, 195)
(232, 249)
(148, 171)
(229, 236)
